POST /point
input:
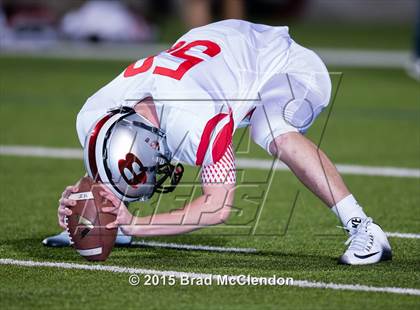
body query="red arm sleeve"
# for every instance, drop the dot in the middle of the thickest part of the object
(222, 172)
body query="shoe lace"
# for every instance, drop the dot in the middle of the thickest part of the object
(360, 237)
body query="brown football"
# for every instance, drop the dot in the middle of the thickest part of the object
(86, 224)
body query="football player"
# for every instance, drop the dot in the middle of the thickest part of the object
(184, 105)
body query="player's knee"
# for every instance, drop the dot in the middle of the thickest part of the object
(283, 143)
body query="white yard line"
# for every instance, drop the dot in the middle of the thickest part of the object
(41, 151)
(194, 247)
(209, 248)
(180, 274)
(402, 235)
(200, 247)
(263, 164)
(364, 58)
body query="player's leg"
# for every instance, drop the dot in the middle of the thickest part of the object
(311, 166)
(315, 170)
(277, 125)
(367, 243)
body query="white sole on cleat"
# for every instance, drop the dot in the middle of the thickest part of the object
(368, 259)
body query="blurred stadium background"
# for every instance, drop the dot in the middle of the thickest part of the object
(55, 54)
(133, 28)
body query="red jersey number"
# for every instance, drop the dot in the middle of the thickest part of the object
(178, 50)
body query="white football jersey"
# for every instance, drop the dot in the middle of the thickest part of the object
(203, 86)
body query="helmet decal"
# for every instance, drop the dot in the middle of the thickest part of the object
(132, 170)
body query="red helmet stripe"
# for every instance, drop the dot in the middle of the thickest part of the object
(92, 146)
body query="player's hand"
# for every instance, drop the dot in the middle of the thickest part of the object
(65, 204)
(124, 217)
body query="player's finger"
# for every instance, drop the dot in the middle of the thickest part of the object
(66, 192)
(62, 224)
(111, 197)
(111, 210)
(105, 194)
(105, 188)
(74, 189)
(112, 225)
(67, 202)
(64, 211)
(107, 197)
(109, 192)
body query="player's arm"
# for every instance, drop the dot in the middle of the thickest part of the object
(212, 208)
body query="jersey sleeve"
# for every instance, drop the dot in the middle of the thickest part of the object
(221, 172)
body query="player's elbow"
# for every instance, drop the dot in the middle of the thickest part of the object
(218, 203)
(220, 216)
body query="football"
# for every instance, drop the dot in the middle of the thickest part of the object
(86, 224)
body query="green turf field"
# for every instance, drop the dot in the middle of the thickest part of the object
(375, 120)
